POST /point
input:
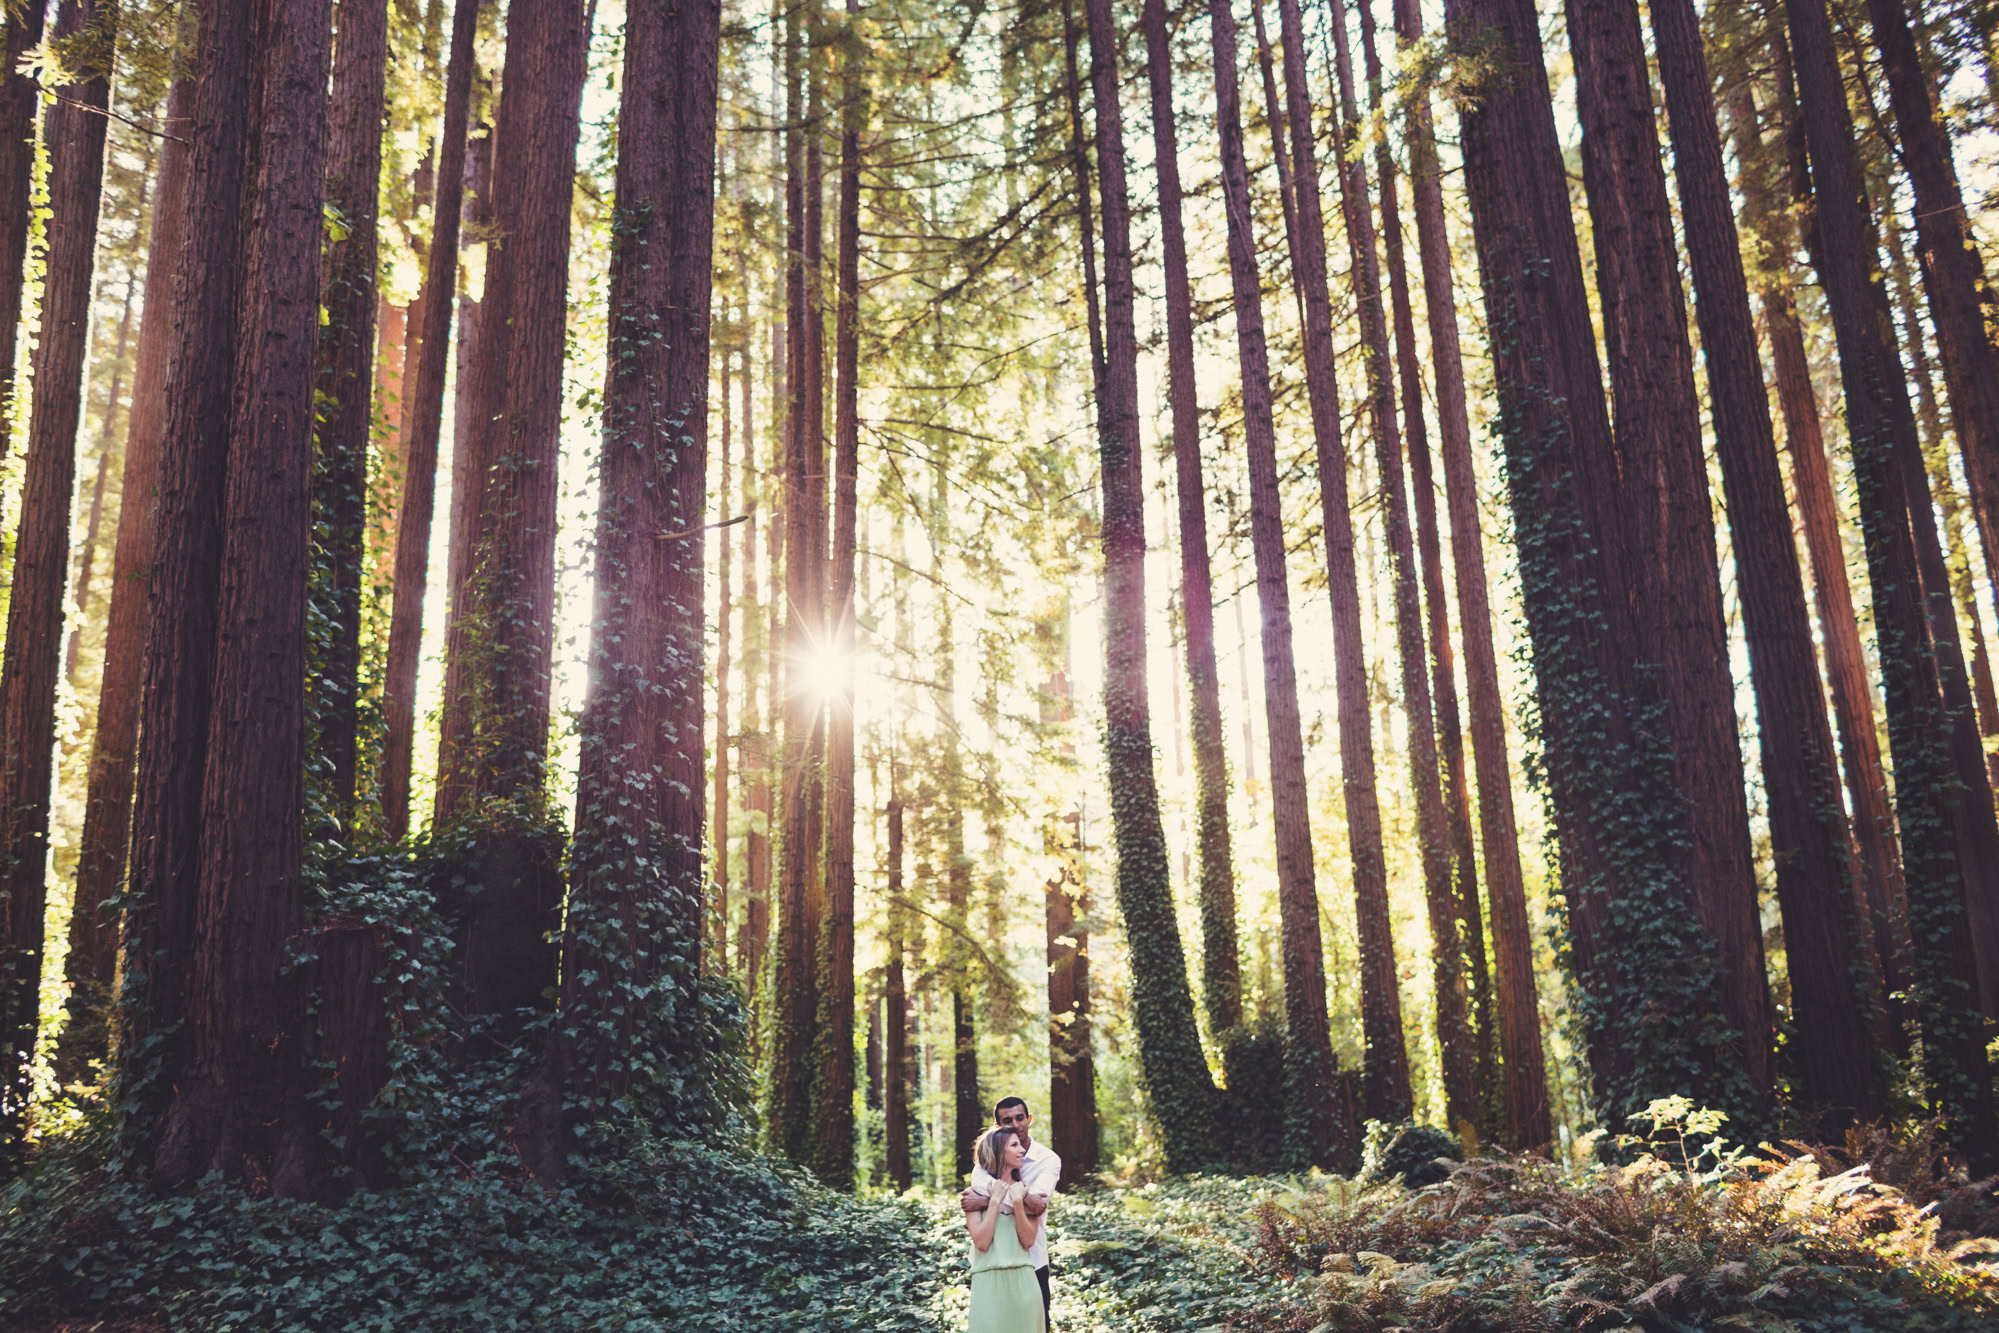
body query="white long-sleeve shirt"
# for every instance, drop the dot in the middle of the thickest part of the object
(1039, 1173)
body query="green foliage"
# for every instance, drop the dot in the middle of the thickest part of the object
(1416, 1155)
(1520, 1245)
(668, 1236)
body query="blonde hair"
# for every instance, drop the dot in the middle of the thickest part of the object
(989, 1150)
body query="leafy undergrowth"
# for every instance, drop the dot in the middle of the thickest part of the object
(677, 1237)
(1800, 1242)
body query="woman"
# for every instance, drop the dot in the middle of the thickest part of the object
(1005, 1296)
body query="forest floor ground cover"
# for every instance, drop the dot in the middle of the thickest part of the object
(686, 1239)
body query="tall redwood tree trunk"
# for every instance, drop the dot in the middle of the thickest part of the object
(186, 562)
(1669, 532)
(632, 932)
(74, 131)
(1881, 430)
(1385, 1074)
(1455, 1041)
(345, 384)
(1528, 1120)
(238, 1105)
(1322, 1140)
(423, 417)
(833, 1089)
(1834, 1067)
(895, 1042)
(1170, 1055)
(1221, 968)
(1645, 966)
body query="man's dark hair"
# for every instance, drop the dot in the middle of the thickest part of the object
(1005, 1102)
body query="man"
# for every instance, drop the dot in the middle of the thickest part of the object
(1039, 1173)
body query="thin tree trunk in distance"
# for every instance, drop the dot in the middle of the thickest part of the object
(424, 418)
(1872, 825)
(1833, 1063)
(107, 809)
(1881, 426)
(1221, 971)
(74, 132)
(1079, 154)
(1322, 1139)
(239, 1105)
(833, 1093)
(18, 96)
(895, 1056)
(1385, 1072)
(1953, 275)
(1443, 670)
(1528, 1121)
(345, 381)
(1072, 1068)
(1175, 1070)
(1448, 972)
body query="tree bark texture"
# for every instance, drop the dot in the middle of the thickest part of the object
(1646, 967)
(1385, 1091)
(1833, 1063)
(1221, 970)
(1881, 431)
(1170, 1056)
(833, 1091)
(180, 619)
(499, 650)
(423, 417)
(345, 384)
(1528, 1121)
(238, 1106)
(74, 131)
(1319, 1137)
(632, 931)
(1669, 529)
(1449, 978)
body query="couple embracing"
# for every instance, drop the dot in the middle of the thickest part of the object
(1006, 1212)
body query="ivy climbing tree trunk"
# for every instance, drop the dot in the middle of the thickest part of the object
(1175, 1072)
(632, 930)
(1455, 1039)
(1833, 1064)
(1645, 966)
(423, 418)
(1319, 1137)
(1669, 530)
(74, 132)
(238, 1104)
(345, 382)
(1881, 426)
(1221, 969)
(18, 97)
(1385, 1091)
(895, 1041)
(833, 1089)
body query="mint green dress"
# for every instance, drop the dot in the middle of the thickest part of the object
(1006, 1296)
